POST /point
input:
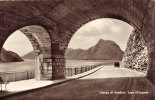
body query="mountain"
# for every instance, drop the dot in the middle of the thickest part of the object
(9, 56)
(30, 55)
(103, 50)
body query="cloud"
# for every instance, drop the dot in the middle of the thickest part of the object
(107, 29)
(116, 29)
(96, 28)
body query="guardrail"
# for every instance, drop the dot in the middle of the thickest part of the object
(30, 74)
(17, 76)
(78, 70)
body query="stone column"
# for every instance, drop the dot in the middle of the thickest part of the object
(58, 61)
(37, 69)
(43, 70)
(151, 69)
(58, 68)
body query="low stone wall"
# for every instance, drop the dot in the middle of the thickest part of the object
(136, 53)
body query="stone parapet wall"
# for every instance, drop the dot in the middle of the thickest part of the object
(136, 53)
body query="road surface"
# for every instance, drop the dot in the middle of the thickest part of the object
(107, 83)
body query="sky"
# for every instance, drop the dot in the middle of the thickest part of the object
(107, 29)
(88, 35)
(18, 43)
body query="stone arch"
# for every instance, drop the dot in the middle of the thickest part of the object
(39, 38)
(111, 17)
(41, 43)
(89, 20)
(137, 28)
(137, 14)
(62, 17)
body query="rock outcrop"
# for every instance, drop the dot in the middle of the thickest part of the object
(9, 56)
(136, 53)
(103, 50)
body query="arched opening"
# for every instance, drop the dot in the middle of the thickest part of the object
(15, 47)
(37, 46)
(41, 43)
(108, 40)
(63, 17)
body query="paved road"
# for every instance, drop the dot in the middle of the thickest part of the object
(97, 87)
(111, 72)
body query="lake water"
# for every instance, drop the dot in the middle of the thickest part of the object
(30, 65)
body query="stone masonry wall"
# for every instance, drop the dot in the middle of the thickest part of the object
(136, 53)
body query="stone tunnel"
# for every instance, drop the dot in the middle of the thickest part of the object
(61, 18)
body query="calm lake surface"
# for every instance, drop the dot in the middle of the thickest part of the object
(30, 64)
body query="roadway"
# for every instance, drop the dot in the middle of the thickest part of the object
(108, 83)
